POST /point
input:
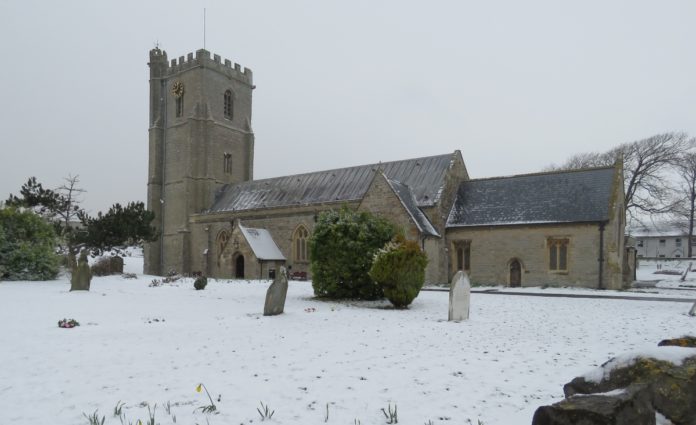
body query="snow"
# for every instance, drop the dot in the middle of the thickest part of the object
(674, 355)
(262, 244)
(140, 344)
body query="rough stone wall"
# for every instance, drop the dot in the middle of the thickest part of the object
(493, 248)
(436, 248)
(381, 200)
(281, 224)
(614, 235)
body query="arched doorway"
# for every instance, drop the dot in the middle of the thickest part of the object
(515, 273)
(239, 267)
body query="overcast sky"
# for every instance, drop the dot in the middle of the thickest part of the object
(515, 85)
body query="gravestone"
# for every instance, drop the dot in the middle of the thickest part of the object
(275, 296)
(692, 312)
(81, 274)
(459, 297)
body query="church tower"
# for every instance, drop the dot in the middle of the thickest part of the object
(200, 138)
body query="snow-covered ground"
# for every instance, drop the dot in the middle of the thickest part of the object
(153, 345)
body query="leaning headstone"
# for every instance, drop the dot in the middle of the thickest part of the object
(81, 275)
(692, 312)
(275, 296)
(459, 297)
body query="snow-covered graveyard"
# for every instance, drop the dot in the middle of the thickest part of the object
(140, 346)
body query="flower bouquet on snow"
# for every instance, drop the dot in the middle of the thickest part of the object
(68, 323)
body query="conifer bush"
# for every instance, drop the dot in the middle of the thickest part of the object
(200, 283)
(399, 269)
(27, 246)
(341, 250)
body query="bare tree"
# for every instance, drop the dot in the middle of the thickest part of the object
(647, 165)
(68, 209)
(686, 196)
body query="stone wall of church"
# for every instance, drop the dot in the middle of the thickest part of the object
(438, 261)
(381, 200)
(280, 222)
(493, 249)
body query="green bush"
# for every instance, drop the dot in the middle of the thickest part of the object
(200, 283)
(341, 251)
(399, 268)
(27, 246)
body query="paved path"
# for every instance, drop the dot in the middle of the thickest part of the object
(605, 297)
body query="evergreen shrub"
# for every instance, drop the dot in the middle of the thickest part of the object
(27, 246)
(341, 250)
(200, 283)
(399, 269)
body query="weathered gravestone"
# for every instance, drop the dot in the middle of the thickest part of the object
(81, 274)
(275, 296)
(459, 296)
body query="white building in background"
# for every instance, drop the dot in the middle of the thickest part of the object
(661, 240)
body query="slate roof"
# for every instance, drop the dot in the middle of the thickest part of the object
(558, 197)
(424, 176)
(262, 243)
(408, 200)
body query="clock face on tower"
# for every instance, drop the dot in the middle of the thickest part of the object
(178, 89)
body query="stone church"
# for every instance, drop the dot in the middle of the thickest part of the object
(559, 228)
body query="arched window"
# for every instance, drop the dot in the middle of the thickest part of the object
(229, 104)
(180, 106)
(221, 241)
(300, 244)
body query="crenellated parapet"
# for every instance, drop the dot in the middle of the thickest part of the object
(203, 58)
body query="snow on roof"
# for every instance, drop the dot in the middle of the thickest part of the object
(425, 177)
(657, 229)
(555, 197)
(674, 355)
(262, 244)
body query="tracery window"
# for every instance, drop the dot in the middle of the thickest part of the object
(300, 244)
(228, 104)
(558, 254)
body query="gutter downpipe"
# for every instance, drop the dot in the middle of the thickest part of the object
(600, 284)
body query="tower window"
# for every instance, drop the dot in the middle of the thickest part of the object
(180, 106)
(227, 163)
(229, 104)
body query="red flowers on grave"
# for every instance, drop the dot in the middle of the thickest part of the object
(65, 323)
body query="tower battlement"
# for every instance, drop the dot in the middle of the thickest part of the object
(203, 58)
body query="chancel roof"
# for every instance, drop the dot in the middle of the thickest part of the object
(424, 176)
(557, 197)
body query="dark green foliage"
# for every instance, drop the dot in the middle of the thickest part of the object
(200, 283)
(59, 207)
(341, 251)
(399, 268)
(27, 246)
(119, 226)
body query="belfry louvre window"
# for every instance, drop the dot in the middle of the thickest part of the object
(180, 106)
(227, 163)
(558, 254)
(300, 244)
(228, 104)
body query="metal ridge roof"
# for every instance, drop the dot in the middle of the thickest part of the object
(425, 177)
